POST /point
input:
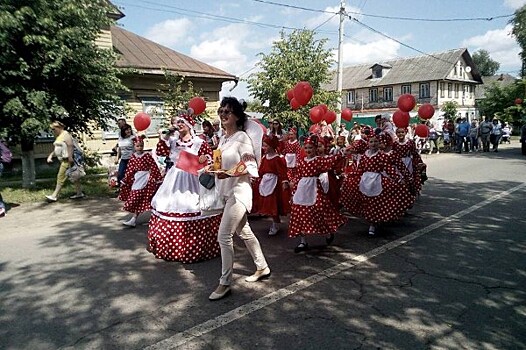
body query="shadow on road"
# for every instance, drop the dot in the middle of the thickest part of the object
(94, 285)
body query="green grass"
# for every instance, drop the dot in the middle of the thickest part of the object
(93, 186)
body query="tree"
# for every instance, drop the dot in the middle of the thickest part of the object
(499, 101)
(484, 63)
(450, 109)
(52, 69)
(519, 32)
(293, 58)
(176, 94)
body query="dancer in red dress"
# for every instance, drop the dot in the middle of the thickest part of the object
(292, 152)
(406, 150)
(272, 191)
(178, 230)
(312, 212)
(141, 180)
(406, 194)
(348, 200)
(378, 187)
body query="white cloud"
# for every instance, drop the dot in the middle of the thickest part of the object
(379, 50)
(334, 21)
(501, 46)
(171, 32)
(515, 4)
(224, 48)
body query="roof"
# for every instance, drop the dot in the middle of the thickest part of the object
(499, 79)
(143, 54)
(407, 70)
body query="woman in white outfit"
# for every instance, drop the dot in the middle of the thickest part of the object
(236, 192)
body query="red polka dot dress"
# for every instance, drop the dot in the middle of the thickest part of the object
(177, 230)
(312, 213)
(411, 158)
(405, 196)
(140, 182)
(377, 189)
(269, 196)
(292, 153)
(348, 198)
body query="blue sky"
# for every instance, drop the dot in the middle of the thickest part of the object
(230, 34)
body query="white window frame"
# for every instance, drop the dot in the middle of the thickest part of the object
(457, 87)
(373, 92)
(351, 97)
(424, 91)
(388, 94)
(155, 109)
(405, 89)
(113, 131)
(449, 90)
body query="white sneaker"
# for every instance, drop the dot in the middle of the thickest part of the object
(130, 223)
(438, 152)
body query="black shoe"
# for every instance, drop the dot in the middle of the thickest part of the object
(301, 248)
(330, 239)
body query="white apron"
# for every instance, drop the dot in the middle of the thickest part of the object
(306, 191)
(371, 184)
(268, 184)
(140, 180)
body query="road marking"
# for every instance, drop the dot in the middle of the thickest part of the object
(199, 330)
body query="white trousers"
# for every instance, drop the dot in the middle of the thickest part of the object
(235, 221)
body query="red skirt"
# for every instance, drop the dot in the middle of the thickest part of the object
(183, 238)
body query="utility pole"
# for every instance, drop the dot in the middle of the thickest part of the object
(340, 64)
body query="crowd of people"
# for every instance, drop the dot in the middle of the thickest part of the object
(211, 183)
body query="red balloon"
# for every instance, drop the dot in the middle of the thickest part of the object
(330, 117)
(324, 108)
(422, 130)
(294, 104)
(426, 111)
(316, 114)
(290, 94)
(141, 121)
(315, 128)
(518, 101)
(198, 104)
(347, 114)
(303, 92)
(406, 102)
(401, 119)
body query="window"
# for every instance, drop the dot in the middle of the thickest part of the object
(406, 89)
(461, 72)
(442, 88)
(449, 90)
(388, 94)
(156, 111)
(112, 131)
(424, 90)
(377, 72)
(457, 87)
(351, 97)
(373, 95)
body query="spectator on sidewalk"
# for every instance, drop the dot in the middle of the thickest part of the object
(474, 136)
(462, 135)
(5, 157)
(496, 134)
(485, 130)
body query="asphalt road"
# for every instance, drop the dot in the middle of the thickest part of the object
(450, 275)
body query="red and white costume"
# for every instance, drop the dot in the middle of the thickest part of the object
(292, 152)
(376, 189)
(312, 212)
(178, 231)
(411, 158)
(140, 182)
(269, 196)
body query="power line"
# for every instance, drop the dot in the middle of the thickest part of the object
(327, 20)
(390, 17)
(399, 42)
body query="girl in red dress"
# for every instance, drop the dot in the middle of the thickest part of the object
(377, 188)
(312, 213)
(407, 151)
(272, 191)
(351, 177)
(141, 180)
(292, 152)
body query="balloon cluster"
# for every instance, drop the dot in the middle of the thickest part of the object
(401, 117)
(300, 94)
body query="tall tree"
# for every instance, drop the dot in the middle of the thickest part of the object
(519, 31)
(52, 69)
(485, 64)
(293, 58)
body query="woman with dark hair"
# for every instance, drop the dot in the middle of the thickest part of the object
(209, 135)
(124, 151)
(239, 151)
(275, 129)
